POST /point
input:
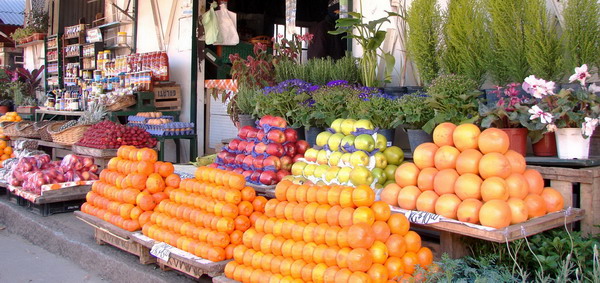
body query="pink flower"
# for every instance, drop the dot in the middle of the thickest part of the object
(581, 73)
(536, 112)
(588, 127)
(538, 87)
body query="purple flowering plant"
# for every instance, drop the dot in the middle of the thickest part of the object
(371, 104)
(510, 111)
(285, 100)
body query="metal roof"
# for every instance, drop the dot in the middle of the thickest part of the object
(12, 11)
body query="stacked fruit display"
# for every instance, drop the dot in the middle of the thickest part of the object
(130, 187)
(327, 234)
(208, 215)
(472, 176)
(107, 134)
(264, 155)
(6, 151)
(350, 153)
(11, 117)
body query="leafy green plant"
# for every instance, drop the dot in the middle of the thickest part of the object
(508, 112)
(413, 110)
(466, 40)
(508, 62)
(581, 32)
(543, 49)
(21, 33)
(369, 36)
(284, 100)
(318, 71)
(424, 20)
(327, 104)
(454, 98)
(37, 20)
(381, 109)
(242, 103)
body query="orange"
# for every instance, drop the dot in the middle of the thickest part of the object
(331, 235)
(248, 194)
(341, 257)
(494, 165)
(494, 188)
(535, 181)
(445, 157)
(536, 205)
(360, 236)
(554, 200)
(343, 275)
(145, 202)
(424, 154)
(465, 136)
(425, 257)
(342, 237)
(379, 251)
(308, 250)
(407, 198)
(281, 190)
(495, 213)
(147, 154)
(329, 275)
(301, 193)
(516, 160)
(346, 197)
(309, 232)
(425, 178)
(413, 241)
(396, 245)
(297, 249)
(329, 257)
(398, 224)
(318, 272)
(409, 260)
(298, 213)
(443, 134)
(229, 269)
(359, 259)
(395, 267)
(155, 183)
(307, 272)
(382, 211)
(359, 277)
(319, 233)
(378, 273)
(518, 210)
(468, 161)
(447, 205)
(346, 216)
(468, 211)
(389, 194)
(444, 180)
(363, 195)
(407, 174)
(363, 214)
(517, 185)
(310, 212)
(321, 213)
(493, 140)
(165, 169)
(468, 186)
(426, 201)
(333, 195)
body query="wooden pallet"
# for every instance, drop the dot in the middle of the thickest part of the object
(107, 233)
(94, 152)
(167, 98)
(182, 261)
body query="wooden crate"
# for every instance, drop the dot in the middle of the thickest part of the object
(167, 98)
(580, 188)
(184, 262)
(94, 152)
(107, 233)
(53, 201)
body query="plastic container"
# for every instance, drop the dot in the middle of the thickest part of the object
(122, 38)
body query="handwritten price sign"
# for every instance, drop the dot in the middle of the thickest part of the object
(162, 251)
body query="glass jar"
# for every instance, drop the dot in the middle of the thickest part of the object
(122, 38)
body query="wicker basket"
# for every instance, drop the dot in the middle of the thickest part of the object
(8, 128)
(25, 129)
(42, 128)
(121, 102)
(69, 136)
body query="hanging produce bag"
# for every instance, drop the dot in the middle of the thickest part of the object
(227, 20)
(211, 25)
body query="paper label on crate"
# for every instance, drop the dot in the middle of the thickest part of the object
(162, 251)
(418, 217)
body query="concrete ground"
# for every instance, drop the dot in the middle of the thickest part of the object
(71, 240)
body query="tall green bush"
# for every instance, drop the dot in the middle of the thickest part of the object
(543, 48)
(582, 33)
(319, 71)
(507, 26)
(424, 21)
(466, 40)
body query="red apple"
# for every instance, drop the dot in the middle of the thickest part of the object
(229, 158)
(272, 163)
(301, 146)
(276, 136)
(255, 176)
(249, 147)
(213, 165)
(290, 149)
(252, 133)
(242, 145)
(291, 135)
(221, 155)
(260, 135)
(268, 178)
(94, 168)
(88, 161)
(275, 149)
(239, 159)
(233, 144)
(257, 163)
(243, 131)
(296, 157)
(286, 162)
(260, 148)
(272, 121)
(248, 161)
(281, 174)
(247, 174)
(238, 170)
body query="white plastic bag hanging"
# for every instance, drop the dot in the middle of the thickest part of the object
(228, 34)
(211, 25)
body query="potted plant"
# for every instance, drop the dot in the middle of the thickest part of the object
(581, 33)
(284, 100)
(369, 36)
(37, 20)
(424, 21)
(453, 98)
(543, 48)
(572, 114)
(379, 108)
(241, 107)
(414, 114)
(24, 83)
(319, 71)
(508, 114)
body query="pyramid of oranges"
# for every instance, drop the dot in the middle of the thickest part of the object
(311, 233)
(208, 215)
(472, 176)
(130, 187)
(11, 117)
(6, 151)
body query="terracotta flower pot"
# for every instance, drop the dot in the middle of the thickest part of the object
(518, 139)
(546, 146)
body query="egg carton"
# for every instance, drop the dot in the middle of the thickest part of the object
(164, 133)
(144, 120)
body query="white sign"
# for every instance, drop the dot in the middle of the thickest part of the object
(162, 251)
(94, 35)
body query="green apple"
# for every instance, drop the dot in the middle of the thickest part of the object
(359, 158)
(335, 157)
(389, 182)
(381, 143)
(361, 176)
(337, 125)
(290, 178)
(331, 173)
(347, 126)
(379, 175)
(393, 154)
(365, 142)
(322, 138)
(298, 168)
(380, 160)
(334, 141)
(390, 172)
(311, 155)
(322, 157)
(363, 123)
(344, 174)
(347, 140)
(299, 180)
(320, 171)
(346, 158)
(378, 186)
(309, 170)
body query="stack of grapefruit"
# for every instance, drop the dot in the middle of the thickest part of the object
(472, 176)
(327, 234)
(207, 215)
(130, 187)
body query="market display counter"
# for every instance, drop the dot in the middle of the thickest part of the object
(51, 201)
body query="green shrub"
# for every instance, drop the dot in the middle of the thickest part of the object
(581, 33)
(424, 21)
